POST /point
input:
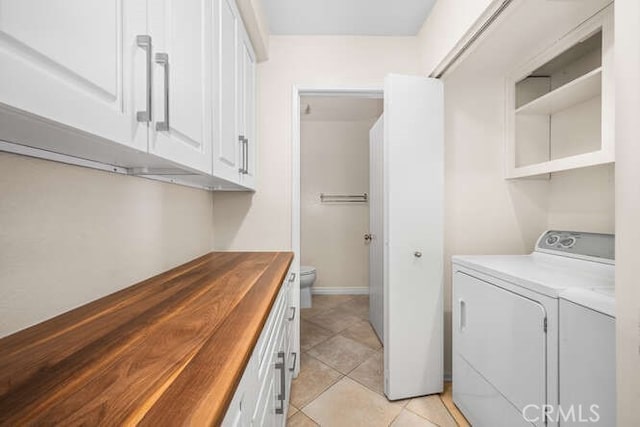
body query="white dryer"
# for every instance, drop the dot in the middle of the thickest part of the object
(507, 329)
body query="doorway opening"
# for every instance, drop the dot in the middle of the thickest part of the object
(334, 194)
(411, 153)
(330, 206)
(331, 196)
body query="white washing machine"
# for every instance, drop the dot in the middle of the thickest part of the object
(513, 316)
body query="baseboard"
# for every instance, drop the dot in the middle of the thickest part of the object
(340, 291)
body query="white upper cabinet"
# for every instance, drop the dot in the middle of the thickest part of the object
(181, 126)
(234, 142)
(161, 88)
(226, 139)
(76, 63)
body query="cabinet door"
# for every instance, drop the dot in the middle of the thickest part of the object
(247, 112)
(226, 146)
(76, 62)
(264, 414)
(181, 127)
(243, 403)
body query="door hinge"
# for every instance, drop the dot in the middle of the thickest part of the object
(544, 325)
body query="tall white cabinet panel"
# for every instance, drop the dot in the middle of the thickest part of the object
(247, 113)
(234, 138)
(76, 62)
(227, 143)
(181, 127)
(413, 230)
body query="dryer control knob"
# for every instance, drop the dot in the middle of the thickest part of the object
(552, 240)
(568, 242)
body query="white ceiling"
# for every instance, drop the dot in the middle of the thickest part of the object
(339, 108)
(347, 17)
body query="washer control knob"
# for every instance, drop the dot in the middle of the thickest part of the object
(568, 242)
(552, 239)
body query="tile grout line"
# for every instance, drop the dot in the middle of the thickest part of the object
(425, 418)
(328, 386)
(342, 375)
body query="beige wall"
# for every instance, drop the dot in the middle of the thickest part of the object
(583, 200)
(263, 220)
(445, 26)
(69, 235)
(627, 54)
(334, 159)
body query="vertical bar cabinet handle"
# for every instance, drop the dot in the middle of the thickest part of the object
(281, 396)
(242, 153)
(295, 361)
(246, 155)
(163, 59)
(144, 41)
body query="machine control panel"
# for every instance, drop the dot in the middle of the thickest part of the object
(578, 244)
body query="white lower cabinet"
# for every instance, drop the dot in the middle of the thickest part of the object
(262, 396)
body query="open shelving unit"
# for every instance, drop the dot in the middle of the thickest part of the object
(560, 104)
(582, 89)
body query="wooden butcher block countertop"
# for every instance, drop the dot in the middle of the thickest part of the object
(167, 351)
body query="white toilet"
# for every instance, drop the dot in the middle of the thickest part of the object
(307, 277)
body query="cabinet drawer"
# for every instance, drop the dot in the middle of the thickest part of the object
(270, 384)
(267, 339)
(263, 415)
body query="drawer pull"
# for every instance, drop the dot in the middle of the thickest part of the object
(295, 360)
(293, 314)
(292, 277)
(281, 396)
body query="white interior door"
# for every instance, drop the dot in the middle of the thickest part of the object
(413, 230)
(376, 212)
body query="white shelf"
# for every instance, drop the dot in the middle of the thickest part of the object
(563, 164)
(579, 90)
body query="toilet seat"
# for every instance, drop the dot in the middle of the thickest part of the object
(306, 270)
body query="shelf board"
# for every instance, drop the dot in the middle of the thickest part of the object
(579, 90)
(594, 158)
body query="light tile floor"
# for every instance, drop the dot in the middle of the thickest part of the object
(340, 381)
